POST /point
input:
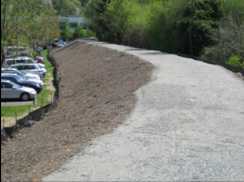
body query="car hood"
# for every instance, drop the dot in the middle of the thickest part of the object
(31, 82)
(31, 75)
(28, 90)
(43, 70)
(40, 82)
(41, 65)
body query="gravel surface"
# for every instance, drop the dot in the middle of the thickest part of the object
(187, 125)
(96, 95)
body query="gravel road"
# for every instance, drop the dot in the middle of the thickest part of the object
(187, 124)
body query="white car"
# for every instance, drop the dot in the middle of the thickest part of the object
(21, 60)
(30, 68)
(10, 90)
(26, 75)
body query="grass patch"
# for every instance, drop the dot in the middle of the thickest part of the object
(42, 99)
(14, 111)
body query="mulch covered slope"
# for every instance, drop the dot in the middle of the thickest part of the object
(96, 94)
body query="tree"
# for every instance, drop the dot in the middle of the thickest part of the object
(95, 11)
(197, 19)
(117, 21)
(67, 33)
(67, 7)
(4, 11)
(28, 22)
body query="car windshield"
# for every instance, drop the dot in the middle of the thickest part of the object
(20, 79)
(18, 67)
(32, 67)
(15, 72)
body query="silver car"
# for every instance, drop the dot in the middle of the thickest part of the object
(26, 75)
(30, 68)
(21, 81)
(10, 90)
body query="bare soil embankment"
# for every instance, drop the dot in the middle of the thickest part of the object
(96, 93)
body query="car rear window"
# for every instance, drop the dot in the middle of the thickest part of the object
(20, 61)
(29, 61)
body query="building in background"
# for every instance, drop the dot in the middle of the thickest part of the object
(73, 21)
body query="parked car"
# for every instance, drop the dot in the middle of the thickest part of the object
(21, 60)
(26, 75)
(10, 90)
(59, 43)
(21, 81)
(13, 51)
(30, 68)
(22, 76)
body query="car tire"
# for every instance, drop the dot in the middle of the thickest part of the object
(25, 97)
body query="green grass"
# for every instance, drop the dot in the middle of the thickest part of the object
(14, 111)
(42, 99)
(48, 66)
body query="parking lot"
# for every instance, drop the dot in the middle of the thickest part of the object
(26, 83)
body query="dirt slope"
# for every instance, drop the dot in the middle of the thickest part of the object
(96, 94)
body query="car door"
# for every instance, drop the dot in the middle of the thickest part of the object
(8, 91)
(3, 95)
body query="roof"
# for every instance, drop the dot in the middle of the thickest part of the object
(73, 19)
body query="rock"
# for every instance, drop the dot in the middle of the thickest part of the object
(28, 123)
(3, 134)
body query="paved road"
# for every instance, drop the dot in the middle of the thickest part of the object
(187, 124)
(16, 103)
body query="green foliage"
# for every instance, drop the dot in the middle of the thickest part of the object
(196, 20)
(95, 10)
(212, 29)
(235, 8)
(116, 21)
(83, 33)
(67, 7)
(67, 32)
(28, 22)
(235, 63)
(14, 111)
(229, 40)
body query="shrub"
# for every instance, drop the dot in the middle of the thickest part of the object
(235, 63)
(196, 20)
(67, 33)
(229, 41)
(80, 32)
(95, 11)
